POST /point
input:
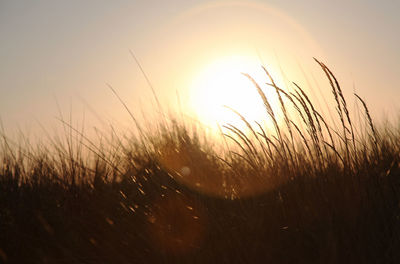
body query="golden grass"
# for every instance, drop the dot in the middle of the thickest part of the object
(303, 193)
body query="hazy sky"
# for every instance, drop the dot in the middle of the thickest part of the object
(66, 51)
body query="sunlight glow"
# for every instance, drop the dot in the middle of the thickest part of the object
(221, 84)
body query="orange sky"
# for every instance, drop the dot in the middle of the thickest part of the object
(59, 53)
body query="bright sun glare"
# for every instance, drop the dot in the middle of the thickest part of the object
(221, 83)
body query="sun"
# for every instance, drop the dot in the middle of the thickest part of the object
(221, 86)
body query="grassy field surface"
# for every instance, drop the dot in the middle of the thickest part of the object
(310, 190)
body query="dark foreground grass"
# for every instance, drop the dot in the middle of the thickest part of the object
(304, 193)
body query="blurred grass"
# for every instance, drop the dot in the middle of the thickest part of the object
(303, 193)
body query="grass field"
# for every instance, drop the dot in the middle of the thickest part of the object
(310, 191)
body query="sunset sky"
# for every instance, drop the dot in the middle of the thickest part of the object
(66, 52)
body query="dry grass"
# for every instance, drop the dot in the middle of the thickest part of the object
(293, 195)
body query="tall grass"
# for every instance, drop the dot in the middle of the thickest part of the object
(302, 193)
